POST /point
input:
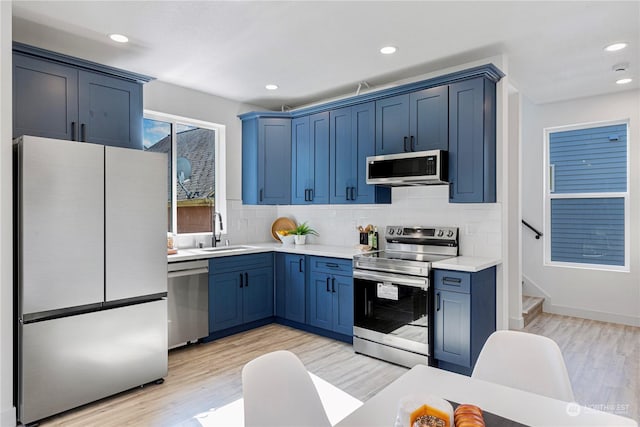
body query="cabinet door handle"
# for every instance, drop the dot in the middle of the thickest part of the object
(311, 194)
(411, 146)
(347, 192)
(241, 283)
(300, 264)
(328, 285)
(246, 280)
(83, 132)
(307, 195)
(333, 285)
(405, 144)
(74, 137)
(261, 194)
(451, 280)
(438, 301)
(353, 193)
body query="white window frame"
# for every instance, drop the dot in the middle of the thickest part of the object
(220, 164)
(548, 196)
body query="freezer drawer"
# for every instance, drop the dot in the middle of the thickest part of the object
(71, 361)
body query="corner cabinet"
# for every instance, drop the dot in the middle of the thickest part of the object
(266, 160)
(56, 96)
(240, 290)
(465, 316)
(472, 141)
(310, 159)
(331, 294)
(352, 140)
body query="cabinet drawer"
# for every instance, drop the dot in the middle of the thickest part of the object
(240, 262)
(330, 265)
(455, 281)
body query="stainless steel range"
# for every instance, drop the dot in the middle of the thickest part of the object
(393, 296)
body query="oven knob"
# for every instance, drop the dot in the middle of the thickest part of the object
(399, 231)
(440, 233)
(391, 231)
(450, 233)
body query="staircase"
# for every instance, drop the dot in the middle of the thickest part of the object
(531, 308)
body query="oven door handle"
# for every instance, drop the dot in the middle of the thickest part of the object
(397, 279)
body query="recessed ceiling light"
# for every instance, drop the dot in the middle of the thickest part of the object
(271, 87)
(615, 46)
(624, 81)
(119, 38)
(388, 50)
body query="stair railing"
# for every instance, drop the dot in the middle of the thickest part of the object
(529, 226)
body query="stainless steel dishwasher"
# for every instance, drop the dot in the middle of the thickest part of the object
(188, 301)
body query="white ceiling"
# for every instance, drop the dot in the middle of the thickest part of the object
(317, 49)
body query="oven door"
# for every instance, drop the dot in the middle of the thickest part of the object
(392, 309)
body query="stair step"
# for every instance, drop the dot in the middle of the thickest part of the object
(531, 308)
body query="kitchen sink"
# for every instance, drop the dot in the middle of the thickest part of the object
(226, 249)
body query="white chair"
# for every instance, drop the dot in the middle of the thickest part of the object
(524, 361)
(279, 392)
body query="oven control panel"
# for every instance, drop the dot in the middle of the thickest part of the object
(418, 232)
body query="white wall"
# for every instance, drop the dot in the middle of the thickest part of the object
(594, 294)
(7, 411)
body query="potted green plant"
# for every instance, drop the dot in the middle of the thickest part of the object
(301, 232)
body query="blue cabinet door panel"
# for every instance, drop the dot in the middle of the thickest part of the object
(274, 161)
(110, 110)
(429, 120)
(363, 135)
(343, 167)
(472, 152)
(392, 124)
(453, 328)
(225, 301)
(320, 301)
(300, 160)
(319, 138)
(295, 288)
(257, 294)
(342, 289)
(45, 98)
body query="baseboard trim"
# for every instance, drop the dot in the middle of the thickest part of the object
(592, 314)
(516, 322)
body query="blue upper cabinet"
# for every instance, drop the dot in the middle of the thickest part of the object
(110, 110)
(266, 161)
(310, 159)
(45, 98)
(413, 122)
(352, 140)
(57, 96)
(472, 141)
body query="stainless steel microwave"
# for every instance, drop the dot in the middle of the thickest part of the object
(415, 168)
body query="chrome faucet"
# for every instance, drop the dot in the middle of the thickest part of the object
(215, 237)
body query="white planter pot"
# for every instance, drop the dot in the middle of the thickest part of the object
(300, 239)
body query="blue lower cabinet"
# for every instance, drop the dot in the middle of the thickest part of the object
(237, 294)
(290, 287)
(465, 316)
(331, 295)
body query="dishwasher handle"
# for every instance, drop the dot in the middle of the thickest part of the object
(182, 273)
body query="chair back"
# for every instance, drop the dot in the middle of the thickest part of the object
(524, 361)
(279, 392)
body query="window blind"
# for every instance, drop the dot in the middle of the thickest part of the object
(588, 231)
(591, 160)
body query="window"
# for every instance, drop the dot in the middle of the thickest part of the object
(194, 173)
(587, 196)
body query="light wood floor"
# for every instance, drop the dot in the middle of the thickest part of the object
(603, 360)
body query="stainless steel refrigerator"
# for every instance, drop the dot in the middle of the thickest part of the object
(91, 272)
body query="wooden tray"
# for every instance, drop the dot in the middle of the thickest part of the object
(282, 223)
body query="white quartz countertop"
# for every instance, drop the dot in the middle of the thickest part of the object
(461, 263)
(466, 263)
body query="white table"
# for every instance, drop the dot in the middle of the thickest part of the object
(523, 407)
